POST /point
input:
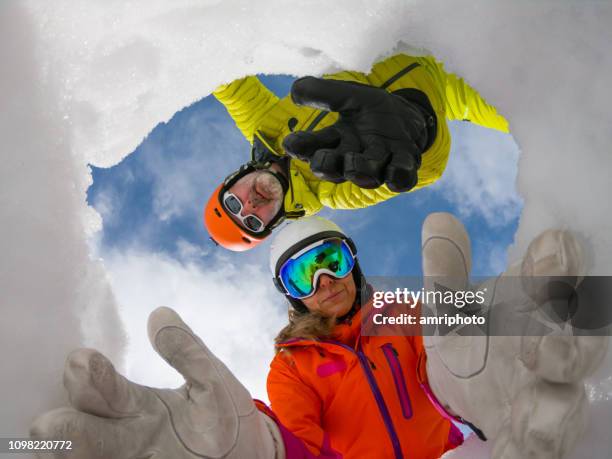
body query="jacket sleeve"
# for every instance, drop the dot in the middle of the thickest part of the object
(347, 195)
(297, 406)
(247, 100)
(464, 103)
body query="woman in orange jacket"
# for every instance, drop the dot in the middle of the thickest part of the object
(343, 394)
(334, 393)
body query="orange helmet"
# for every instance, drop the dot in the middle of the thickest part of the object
(223, 229)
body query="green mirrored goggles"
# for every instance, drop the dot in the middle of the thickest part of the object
(300, 273)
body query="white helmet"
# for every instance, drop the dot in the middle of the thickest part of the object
(297, 235)
(300, 234)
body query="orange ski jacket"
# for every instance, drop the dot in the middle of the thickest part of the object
(359, 397)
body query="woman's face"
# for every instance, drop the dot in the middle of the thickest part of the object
(333, 297)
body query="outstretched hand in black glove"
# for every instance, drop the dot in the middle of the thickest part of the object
(379, 136)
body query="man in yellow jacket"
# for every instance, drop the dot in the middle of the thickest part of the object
(345, 141)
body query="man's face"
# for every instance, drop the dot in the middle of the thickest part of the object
(333, 297)
(261, 194)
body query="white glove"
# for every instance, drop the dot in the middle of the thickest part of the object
(210, 416)
(525, 393)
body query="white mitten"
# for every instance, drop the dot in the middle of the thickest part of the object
(526, 393)
(211, 416)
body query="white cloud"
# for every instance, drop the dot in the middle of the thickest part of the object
(188, 252)
(480, 178)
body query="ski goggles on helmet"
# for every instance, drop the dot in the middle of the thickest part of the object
(234, 206)
(300, 273)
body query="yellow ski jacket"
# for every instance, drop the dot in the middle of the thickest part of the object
(262, 116)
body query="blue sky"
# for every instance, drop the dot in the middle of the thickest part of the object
(153, 199)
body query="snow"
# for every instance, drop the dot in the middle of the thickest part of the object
(84, 82)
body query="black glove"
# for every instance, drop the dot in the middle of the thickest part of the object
(378, 138)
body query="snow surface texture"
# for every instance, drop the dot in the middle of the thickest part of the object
(53, 298)
(84, 82)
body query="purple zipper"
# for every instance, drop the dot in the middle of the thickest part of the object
(446, 415)
(380, 401)
(398, 378)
